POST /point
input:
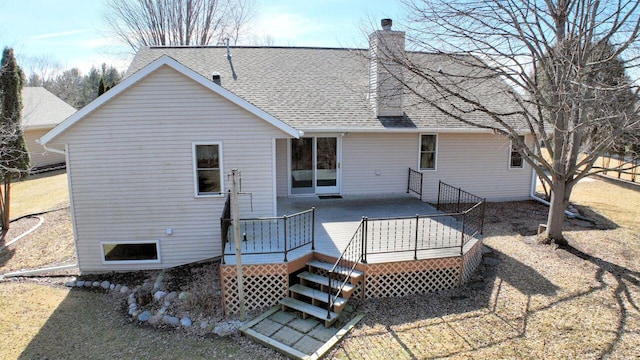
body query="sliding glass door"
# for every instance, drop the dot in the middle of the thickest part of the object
(315, 165)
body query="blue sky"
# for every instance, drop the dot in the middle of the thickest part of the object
(72, 32)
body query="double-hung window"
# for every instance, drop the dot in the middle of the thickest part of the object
(207, 159)
(428, 150)
(515, 158)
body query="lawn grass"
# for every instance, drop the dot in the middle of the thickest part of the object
(540, 302)
(579, 302)
(38, 193)
(44, 322)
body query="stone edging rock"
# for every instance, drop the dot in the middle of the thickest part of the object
(160, 298)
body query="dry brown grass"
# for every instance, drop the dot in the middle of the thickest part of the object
(49, 245)
(49, 322)
(39, 193)
(540, 302)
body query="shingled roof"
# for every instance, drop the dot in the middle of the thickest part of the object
(42, 109)
(316, 89)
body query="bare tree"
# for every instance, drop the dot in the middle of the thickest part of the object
(177, 22)
(544, 52)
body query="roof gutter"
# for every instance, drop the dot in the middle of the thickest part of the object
(401, 130)
(44, 145)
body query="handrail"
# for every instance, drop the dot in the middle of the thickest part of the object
(353, 247)
(415, 182)
(225, 223)
(274, 234)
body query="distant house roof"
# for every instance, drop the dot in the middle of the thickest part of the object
(42, 109)
(316, 89)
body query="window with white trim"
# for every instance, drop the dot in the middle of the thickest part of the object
(208, 168)
(515, 158)
(130, 252)
(428, 149)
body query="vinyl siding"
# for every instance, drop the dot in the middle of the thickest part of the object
(282, 176)
(479, 163)
(132, 169)
(377, 163)
(40, 156)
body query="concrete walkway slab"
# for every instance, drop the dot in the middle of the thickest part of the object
(293, 336)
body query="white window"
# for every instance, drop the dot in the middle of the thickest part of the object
(515, 158)
(130, 252)
(428, 151)
(207, 163)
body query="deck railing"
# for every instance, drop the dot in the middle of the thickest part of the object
(340, 273)
(225, 223)
(455, 229)
(415, 182)
(271, 235)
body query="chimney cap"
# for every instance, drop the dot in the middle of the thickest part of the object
(386, 24)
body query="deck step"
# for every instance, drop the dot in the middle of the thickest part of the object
(319, 296)
(355, 275)
(324, 281)
(308, 309)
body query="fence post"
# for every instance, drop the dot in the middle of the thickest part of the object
(284, 221)
(459, 195)
(313, 228)
(415, 250)
(364, 239)
(409, 182)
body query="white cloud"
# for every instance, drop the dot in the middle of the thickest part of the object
(60, 34)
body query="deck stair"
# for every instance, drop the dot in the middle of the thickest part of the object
(311, 295)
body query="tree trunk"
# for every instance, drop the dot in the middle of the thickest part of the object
(556, 214)
(4, 215)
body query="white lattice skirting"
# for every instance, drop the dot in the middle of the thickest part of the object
(266, 284)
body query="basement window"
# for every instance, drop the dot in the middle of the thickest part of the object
(515, 158)
(130, 252)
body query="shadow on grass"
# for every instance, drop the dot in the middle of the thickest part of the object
(420, 319)
(624, 279)
(90, 325)
(5, 254)
(442, 325)
(524, 217)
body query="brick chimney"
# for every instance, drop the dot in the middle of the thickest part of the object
(385, 75)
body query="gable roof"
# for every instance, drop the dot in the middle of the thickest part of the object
(318, 89)
(42, 109)
(146, 71)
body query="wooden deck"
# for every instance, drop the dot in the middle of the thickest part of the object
(336, 220)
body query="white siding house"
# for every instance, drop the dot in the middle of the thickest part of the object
(131, 167)
(148, 161)
(42, 111)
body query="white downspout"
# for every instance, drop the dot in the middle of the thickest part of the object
(51, 149)
(532, 194)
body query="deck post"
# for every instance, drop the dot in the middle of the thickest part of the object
(284, 221)
(464, 217)
(415, 250)
(439, 187)
(313, 228)
(363, 224)
(459, 193)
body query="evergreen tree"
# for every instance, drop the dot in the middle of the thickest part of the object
(14, 157)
